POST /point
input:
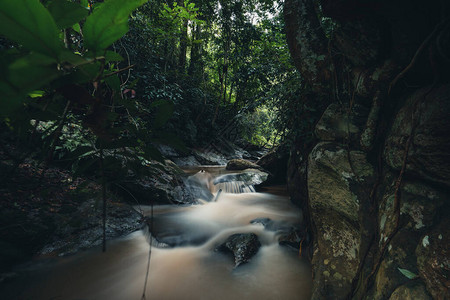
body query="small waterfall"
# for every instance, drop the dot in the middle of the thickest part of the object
(235, 187)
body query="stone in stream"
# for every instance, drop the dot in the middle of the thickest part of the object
(243, 246)
(241, 164)
(288, 235)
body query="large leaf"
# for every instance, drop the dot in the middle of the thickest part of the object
(66, 13)
(28, 23)
(108, 23)
(23, 76)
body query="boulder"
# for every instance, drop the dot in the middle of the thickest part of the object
(433, 260)
(243, 246)
(425, 116)
(159, 183)
(249, 177)
(241, 164)
(338, 124)
(410, 291)
(338, 182)
(289, 235)
(334, 181)
(275, 162)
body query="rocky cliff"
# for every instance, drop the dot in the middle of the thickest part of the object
(375, 179)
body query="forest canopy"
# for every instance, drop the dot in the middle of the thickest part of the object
(81, 76)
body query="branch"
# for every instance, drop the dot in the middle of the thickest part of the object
(118, 71)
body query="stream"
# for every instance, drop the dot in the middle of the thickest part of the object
(186, 262)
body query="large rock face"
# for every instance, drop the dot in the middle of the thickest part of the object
(374, 184)
(425, 115)
(337, 180)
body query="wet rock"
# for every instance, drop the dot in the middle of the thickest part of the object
(249, 177)
(186, 161)
(199, 185)
(209, 158)
(170, 231)
(159, 183)
(243, 246)
(83, 229)
(428, 155)
(241, 164)
(289, 235)
(433, 260)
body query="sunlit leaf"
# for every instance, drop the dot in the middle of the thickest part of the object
(108, 23)
(76, 27)
(36, 94)
(28, 23)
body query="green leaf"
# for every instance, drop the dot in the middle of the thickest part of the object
(36, 94)
(108, 23)
(72, 58)
(82, 151)
(28, 23)
(113, 82)
(113, 56)
(32, 72)
(66, 13)
(76, 27)
(407, 273)
(85, 3)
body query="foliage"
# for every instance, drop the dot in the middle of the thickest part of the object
(61, 86)
(181, 68)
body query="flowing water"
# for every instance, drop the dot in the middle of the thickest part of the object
(184, 261)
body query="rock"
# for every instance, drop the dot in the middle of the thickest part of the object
(275, 162)
(337, 193)
(333, 181)
(429, 155)
(420, 207)
(241, 164)
(249, 177)
(397, 256)
(199, 185)
(288, 235)
(83, 229)
(336, 256)
(243, 246)
(209, 158)
(159, 183)
(410, 291)
(186, 161)
(337, 124)
(433, 260)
